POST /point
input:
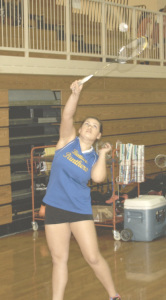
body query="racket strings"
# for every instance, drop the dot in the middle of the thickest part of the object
(127, 52)
(132, 49)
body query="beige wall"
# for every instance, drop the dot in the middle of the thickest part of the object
(161, 3)
(150, 4)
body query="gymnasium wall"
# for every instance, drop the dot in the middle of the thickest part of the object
(132, 111)
(5, 175)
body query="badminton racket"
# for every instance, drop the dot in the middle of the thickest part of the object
(128, 52)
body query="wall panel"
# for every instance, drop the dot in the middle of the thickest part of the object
(5, 214)
(4, 117)
(127, 126)
(4, 156)
(119, 97)
(4, 98)
(130, 111)
(4, 136)
(5, 176)
(133, 110)
(5, 194)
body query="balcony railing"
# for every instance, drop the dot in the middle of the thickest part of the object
(84, 28)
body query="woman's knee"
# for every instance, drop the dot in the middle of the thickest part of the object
(59, 258)
(93, 259)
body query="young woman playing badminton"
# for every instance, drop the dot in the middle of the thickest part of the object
(68, 203)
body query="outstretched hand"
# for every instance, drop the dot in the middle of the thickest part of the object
(76, 87)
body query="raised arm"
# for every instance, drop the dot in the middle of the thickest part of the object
(67, 130)
(99, 170)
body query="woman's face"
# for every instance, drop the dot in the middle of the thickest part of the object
(90, 129)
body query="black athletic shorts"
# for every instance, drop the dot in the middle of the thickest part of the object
(55, 215)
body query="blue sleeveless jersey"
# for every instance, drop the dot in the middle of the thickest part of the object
(70, 172)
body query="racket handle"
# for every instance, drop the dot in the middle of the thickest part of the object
(85, 79)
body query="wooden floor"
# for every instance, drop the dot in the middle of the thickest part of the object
(138, 268)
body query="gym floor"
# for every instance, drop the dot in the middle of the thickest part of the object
(138, 268)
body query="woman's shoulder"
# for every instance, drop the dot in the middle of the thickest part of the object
(61, 144)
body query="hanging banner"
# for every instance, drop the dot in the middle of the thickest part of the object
(131, 163)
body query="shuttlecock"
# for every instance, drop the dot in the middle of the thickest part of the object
(123, 27)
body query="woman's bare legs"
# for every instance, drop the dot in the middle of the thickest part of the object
(58, 239)
(85, 234)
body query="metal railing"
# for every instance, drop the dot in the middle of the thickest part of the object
(79, 28)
